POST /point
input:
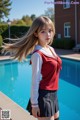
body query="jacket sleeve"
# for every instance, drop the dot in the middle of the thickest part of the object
(36, 78)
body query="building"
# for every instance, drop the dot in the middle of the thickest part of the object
(67, 19)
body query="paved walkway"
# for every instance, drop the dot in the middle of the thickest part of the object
(16, 112)
(70, 54)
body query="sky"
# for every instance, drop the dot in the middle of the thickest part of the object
(28, 7)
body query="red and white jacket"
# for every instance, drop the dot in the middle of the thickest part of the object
(45, 72)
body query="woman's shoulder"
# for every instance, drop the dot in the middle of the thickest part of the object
(36, 51)
(36, 57)
(35, 54)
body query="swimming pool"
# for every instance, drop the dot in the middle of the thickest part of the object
(15, 82)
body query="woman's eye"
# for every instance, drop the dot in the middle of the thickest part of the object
(50, 31)
(42, 31)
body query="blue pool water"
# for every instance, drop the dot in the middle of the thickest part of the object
(15, 82)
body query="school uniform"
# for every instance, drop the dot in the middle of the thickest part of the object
(45, 75)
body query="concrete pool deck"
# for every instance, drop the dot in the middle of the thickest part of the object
(17, 112)
(70, 54)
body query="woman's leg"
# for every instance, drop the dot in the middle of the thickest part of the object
(46, 118)
(56, 116)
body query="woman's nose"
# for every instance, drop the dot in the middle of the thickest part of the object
(48, 33)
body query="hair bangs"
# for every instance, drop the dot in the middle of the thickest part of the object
(46, 22)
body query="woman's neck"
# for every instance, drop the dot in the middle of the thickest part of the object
(43, 45)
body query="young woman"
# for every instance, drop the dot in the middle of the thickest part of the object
(46, 66)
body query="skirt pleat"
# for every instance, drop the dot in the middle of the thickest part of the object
(48, 103)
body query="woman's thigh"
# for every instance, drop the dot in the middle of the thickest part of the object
(46, 118)
(56, 115)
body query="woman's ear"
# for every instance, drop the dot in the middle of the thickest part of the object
(36, 35)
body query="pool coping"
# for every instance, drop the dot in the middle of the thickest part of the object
(17, 112)
(70, 57)
(2, 58)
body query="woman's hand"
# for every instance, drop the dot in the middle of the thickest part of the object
(35, 111)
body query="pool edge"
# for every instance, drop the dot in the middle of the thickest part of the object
(17, 112)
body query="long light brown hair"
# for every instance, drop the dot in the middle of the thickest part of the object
(25, 45)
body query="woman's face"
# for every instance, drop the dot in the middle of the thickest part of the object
(45, 35)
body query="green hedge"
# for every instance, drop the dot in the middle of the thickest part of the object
(16, 31)
(3, 28)
(65, 43)
(1, 40)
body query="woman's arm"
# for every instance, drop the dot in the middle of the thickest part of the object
(36, 77)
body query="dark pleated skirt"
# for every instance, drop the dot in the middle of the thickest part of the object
(48, 103)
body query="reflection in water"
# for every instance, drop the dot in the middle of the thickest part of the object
(71, 72)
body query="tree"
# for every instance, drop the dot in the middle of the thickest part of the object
(20, 22)
(14, 21)
(4, 8)
(27, 20)
(33, 16)
(50, 13)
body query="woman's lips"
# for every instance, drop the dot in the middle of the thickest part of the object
(48, 39)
